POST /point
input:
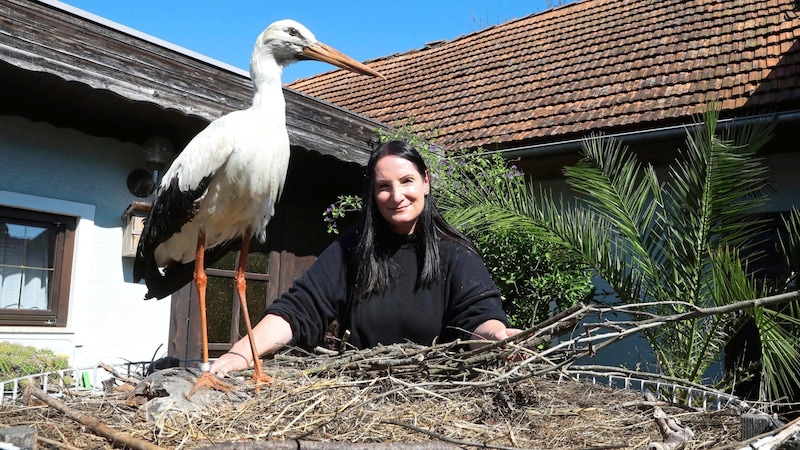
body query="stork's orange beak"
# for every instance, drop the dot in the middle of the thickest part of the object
(322, 52)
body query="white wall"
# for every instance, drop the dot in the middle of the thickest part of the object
(64, 171)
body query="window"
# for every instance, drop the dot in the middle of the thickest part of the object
(35, 267)
(225, 319)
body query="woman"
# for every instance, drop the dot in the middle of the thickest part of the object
(404, 274)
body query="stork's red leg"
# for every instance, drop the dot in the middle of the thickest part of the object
(206, 379)
(259, 376)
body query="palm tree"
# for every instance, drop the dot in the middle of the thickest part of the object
(669, 246)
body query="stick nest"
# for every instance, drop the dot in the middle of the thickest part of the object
(435, 395)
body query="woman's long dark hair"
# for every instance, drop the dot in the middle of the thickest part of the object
(374, 268)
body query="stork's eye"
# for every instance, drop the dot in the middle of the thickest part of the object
(293, 32)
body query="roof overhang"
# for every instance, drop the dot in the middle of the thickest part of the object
(67, 67)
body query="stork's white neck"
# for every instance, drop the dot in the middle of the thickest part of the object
(265, 74)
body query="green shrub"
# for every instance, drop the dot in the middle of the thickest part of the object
(18, 360)
(534, 278)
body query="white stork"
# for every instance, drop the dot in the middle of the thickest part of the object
(223, 187)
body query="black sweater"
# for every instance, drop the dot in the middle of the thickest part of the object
(462, 298)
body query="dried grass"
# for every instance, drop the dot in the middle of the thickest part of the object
(396, 394)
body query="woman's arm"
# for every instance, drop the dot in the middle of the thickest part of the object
(270, 335)
(299, 316)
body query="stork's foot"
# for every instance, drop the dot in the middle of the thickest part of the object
(209, 381)
(260, 377)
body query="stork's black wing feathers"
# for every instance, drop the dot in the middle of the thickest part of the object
(177, 275)
(171, 210)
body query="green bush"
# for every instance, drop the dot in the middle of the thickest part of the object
(18, 360)
(534, 278)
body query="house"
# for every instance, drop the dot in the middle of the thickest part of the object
(83, 100)
(533, 88)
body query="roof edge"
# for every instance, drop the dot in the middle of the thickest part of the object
(632, 137)
(144, 36)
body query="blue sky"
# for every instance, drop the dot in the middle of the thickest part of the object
(362, 29)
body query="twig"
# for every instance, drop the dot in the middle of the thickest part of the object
(116, 374)
(565, 320)
(606, 447)
(698, 312)
(55, 443)
(418, 388)
(300, 416)
(444, 438)
(93, 424)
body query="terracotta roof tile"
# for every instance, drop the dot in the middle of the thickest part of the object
(587, 66)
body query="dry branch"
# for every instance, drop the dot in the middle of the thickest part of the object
(55, 443)
(456, 442)
(569, 351)
(116, 374)
(94, 424)
(698, 312)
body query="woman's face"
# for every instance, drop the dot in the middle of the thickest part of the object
(400, 192)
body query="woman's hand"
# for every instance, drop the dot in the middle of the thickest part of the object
(229, 362)
(494, 330)
(270, 334)
(504, 333)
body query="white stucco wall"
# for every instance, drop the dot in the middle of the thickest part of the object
(64, 171)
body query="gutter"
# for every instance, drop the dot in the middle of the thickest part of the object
(632, 137)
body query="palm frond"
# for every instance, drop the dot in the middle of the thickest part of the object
(780, 350)
(711, 198)
(617, 189)
(791, 245)
(777, 327)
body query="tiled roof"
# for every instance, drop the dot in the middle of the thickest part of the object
(610, 65)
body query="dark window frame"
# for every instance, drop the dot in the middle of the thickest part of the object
(56, 314)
